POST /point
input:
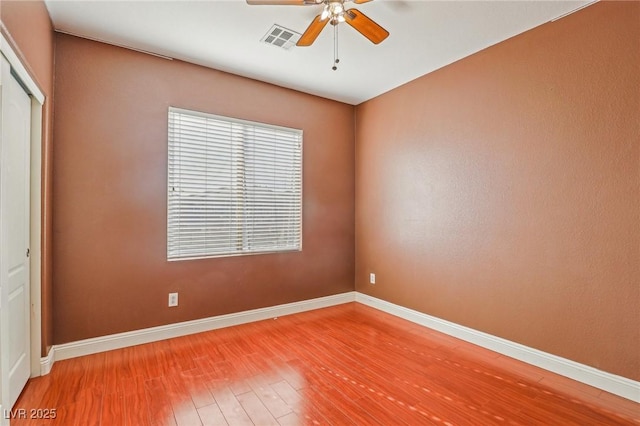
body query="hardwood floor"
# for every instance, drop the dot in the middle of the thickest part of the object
(344, 365)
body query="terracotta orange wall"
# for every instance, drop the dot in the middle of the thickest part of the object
(34, 43)
(502, 192)
(110, 269)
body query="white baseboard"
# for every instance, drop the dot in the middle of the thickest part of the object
(617, 385)
(153, 334)
(612, 383)
(46, 362)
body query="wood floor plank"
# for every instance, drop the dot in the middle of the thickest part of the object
(88, 403)
(291, 419)
(136, 410)
(325, 407)
(72, 379)
(231, 408)
(160, 411)
(112, 412)
(115, 370)
(165, 358)
(94, 370)
(211, 415)
(145, 362)
(343, 365)
(195, 382)
(239, 386)
(269, 397)
(182, 345)
(35, 391)
(256, 410)
(287, 393)
(184, 410)
(290, 374)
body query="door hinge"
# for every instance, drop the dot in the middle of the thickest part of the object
(28, 252)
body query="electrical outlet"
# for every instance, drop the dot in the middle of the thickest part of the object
(173, 299)
(372, 278)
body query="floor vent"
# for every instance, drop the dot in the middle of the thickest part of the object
(281, 37)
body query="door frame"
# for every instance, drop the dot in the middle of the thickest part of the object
(35, 289)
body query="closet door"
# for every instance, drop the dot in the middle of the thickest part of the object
(15, 142)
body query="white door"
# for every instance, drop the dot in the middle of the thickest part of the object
(15, 106)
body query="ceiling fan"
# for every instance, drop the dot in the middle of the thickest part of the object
(333, 12)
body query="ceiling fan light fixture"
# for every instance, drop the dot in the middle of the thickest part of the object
(325, 13)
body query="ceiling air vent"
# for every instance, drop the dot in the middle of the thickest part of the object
(281, 37)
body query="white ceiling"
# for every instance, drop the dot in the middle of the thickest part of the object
(225, 35)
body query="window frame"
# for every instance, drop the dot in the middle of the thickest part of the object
(241, 233)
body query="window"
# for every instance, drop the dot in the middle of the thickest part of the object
(234, 187)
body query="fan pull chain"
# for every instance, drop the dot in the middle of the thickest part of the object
(335, 47)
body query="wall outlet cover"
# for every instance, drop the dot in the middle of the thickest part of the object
(173, 299)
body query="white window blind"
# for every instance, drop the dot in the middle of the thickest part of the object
(234, 187)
